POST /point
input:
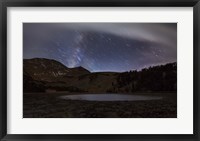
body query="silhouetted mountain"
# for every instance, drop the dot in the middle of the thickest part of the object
(78, 71)
(43, 74)
(49, 70)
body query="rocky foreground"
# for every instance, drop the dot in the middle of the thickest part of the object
(49, 105)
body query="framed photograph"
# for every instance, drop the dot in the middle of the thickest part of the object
(82, 70)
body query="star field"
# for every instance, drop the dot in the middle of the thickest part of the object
(99, 47)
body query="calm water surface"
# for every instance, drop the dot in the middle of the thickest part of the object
(109, 97)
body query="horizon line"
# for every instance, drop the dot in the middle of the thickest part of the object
(139, 69)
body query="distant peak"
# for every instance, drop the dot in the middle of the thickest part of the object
(43, 60)
(80, 68)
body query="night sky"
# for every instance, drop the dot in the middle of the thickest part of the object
(100, 47)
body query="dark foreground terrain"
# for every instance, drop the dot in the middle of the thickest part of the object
(49, 105)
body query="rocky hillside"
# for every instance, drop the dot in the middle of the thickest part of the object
(31, 85)
(50, 70)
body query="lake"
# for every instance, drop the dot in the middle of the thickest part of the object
(109, 97)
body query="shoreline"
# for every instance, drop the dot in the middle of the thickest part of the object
(50, 106)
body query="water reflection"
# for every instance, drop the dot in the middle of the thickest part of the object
(110, 97)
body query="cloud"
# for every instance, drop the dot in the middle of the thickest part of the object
(153, 32)
(164, 33)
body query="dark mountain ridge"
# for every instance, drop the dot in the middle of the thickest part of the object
(43, 69)
(41, 74)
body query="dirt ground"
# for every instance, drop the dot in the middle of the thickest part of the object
(49, 105)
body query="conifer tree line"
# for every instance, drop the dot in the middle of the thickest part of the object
(157, 78)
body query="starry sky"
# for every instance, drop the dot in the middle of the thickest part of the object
(98, 47)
